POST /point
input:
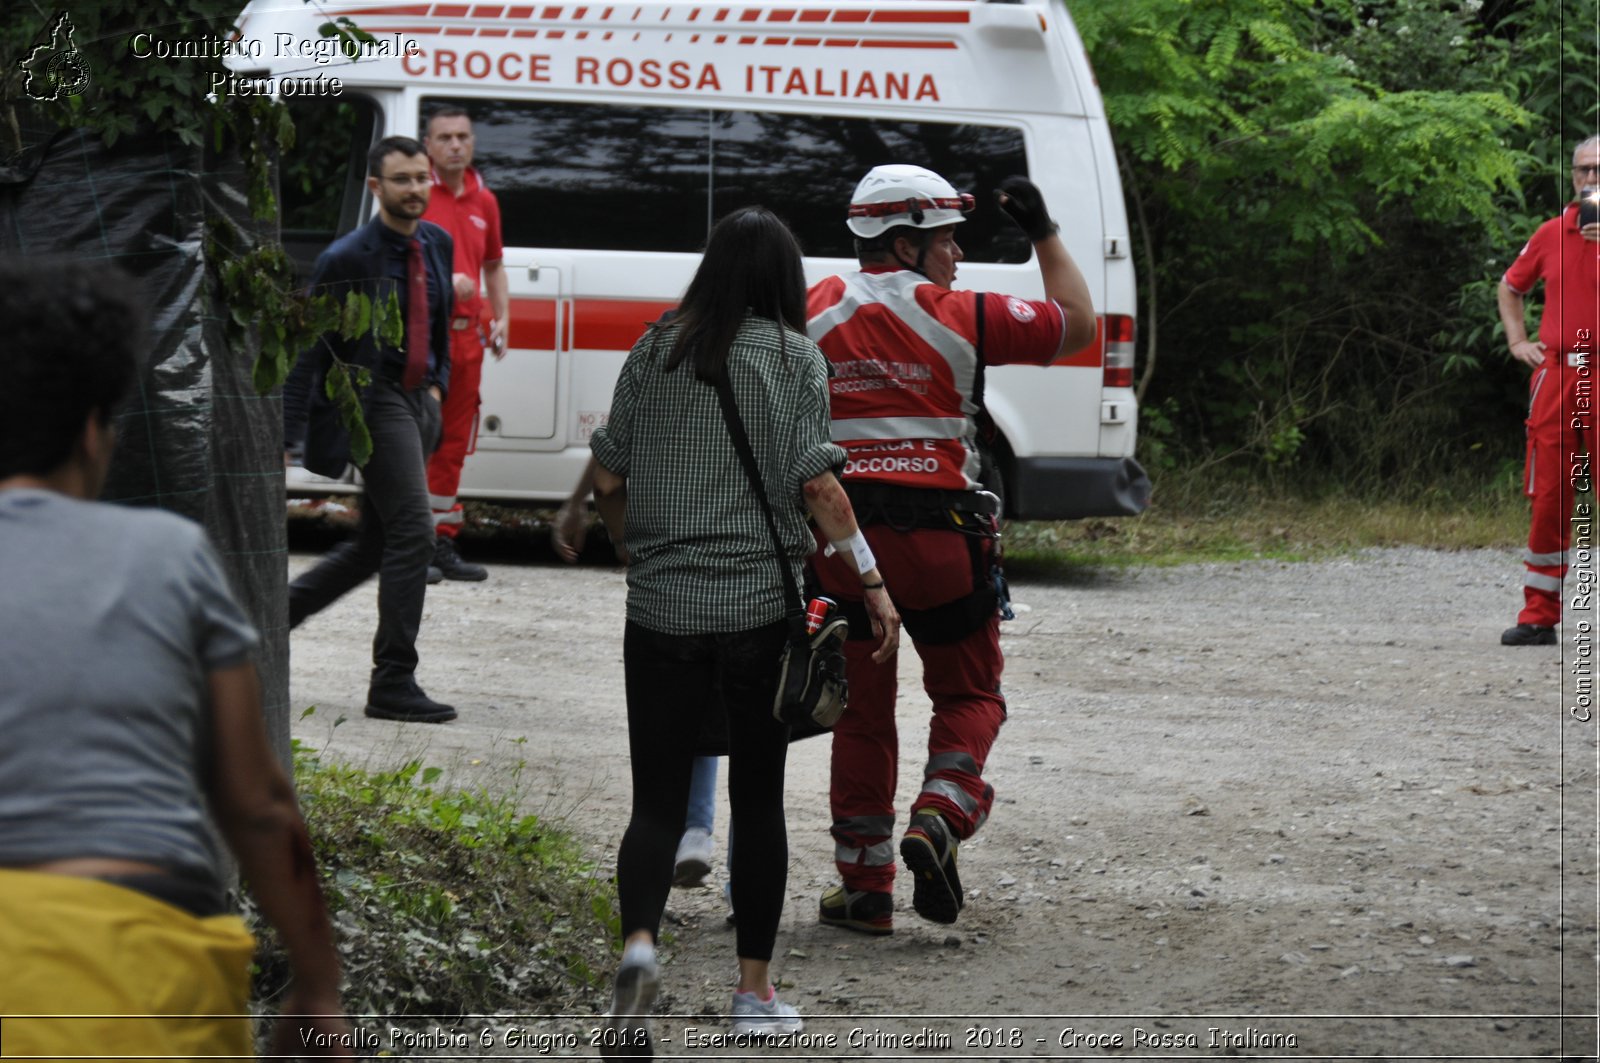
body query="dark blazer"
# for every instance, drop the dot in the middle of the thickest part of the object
(361, 261)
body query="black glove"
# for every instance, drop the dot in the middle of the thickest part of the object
(1020, 198)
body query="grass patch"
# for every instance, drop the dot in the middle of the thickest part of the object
(1193, 519)
(445, 902)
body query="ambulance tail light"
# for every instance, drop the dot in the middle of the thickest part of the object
(1119, 351)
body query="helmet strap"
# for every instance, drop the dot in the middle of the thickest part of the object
(922, 256)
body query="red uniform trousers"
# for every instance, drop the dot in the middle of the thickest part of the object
(1560, 432)
(923, 568)
(458, 435)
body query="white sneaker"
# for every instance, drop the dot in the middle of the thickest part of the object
(754, 1017)
(694, 858)
(627, 1024)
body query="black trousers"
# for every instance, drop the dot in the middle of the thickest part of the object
(672, 682)
(394, 539)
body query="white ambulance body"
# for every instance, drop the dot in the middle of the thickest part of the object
(614, 134)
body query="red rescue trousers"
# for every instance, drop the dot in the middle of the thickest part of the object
(458, 435)
(1560, 422)
(923, 568)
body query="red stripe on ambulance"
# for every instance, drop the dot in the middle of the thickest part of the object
(921, 16)
(615, 325)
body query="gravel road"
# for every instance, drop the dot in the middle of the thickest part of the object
(1295, 810)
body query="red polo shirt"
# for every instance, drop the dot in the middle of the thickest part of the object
(473, 221)
(1569, 265)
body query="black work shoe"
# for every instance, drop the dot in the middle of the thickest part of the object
(1528, 635)
(866, 911)
(434, 575)
(930, 855)
(407, 703)
(449, 563)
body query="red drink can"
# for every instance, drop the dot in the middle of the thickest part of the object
(817, 610)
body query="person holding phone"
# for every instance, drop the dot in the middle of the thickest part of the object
(1565, 254)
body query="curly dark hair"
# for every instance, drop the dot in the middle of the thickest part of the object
(72, 329)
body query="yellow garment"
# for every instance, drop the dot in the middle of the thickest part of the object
(108, 971)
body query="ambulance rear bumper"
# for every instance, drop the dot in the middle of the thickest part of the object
(1068, 488)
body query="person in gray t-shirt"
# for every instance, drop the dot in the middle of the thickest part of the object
(129, 707)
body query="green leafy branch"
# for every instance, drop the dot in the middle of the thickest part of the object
(191, 102)
(266, 308)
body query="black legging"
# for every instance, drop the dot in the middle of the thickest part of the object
(673, 682)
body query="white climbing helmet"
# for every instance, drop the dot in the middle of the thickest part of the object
(905, 195)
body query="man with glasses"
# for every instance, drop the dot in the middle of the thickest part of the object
(395, 255)
(1563, 253)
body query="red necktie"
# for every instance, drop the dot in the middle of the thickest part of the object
(416, 317)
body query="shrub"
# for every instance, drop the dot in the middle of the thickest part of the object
(446, 902)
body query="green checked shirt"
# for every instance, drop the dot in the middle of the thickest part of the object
(701, 556)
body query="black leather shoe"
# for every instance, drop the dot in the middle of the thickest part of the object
(450, 565)
(406, 703)
(434, 575)
(1528, 635)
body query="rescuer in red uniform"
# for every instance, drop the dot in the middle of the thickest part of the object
(1561, 394)
(463, 205)
(908, 354)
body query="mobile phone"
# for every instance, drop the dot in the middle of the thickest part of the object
(1588, 207)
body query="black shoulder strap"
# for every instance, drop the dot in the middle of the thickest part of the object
(741, 443)
(984, 422)
(977, 372)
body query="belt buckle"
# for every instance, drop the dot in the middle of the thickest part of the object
(457, 324)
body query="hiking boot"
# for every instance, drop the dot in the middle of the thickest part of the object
(865, 911)
(450, 565)
(1528, 635)
(930, 855)
(407, 703)
(627, 1024)
(694, 858)
(754, 1017)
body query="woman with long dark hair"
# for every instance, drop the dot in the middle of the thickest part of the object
(706, 604)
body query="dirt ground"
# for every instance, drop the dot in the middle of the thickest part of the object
(1296, 810)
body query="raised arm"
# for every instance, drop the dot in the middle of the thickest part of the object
(1063, 281)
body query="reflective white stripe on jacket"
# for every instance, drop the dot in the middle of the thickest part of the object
(906, 379)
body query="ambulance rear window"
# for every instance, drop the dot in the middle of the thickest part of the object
(322, 181)
(578, 175)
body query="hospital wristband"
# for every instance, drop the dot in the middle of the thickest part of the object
(856, 548)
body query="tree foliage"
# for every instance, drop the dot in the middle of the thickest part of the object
(189, 100)
(1323, 194)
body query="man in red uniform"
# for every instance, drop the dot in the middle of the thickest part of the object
(1561, 393)
(465, 207)
(908, 356)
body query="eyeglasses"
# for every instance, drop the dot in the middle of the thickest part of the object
(405, 181)
(1593, 168)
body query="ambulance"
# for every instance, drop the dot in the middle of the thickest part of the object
(615, 134)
